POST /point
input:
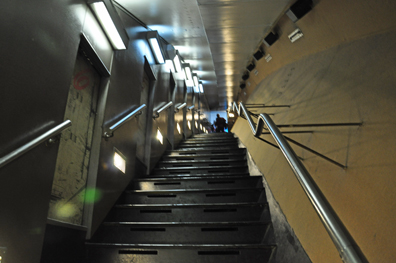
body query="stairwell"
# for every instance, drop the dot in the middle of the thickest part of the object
(199, 205)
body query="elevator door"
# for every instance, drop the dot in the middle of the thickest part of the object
(68, 189)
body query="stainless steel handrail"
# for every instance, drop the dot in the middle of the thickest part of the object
(179, 107)
(33, 143)
(342, 239)
(190, 108)
(110, 131)
(158, 112)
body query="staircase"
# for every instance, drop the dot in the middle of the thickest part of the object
(198, 205)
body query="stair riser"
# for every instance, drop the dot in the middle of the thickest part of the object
(208, 144)
(204, 158)
(252, 234)
(177, 255)
(250, 182)
(209, 214)
(195, 198)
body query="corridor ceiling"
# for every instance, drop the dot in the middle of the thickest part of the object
(217, 37)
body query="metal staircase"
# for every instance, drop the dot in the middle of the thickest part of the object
(198, 205)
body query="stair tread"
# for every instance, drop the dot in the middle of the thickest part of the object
(241, 223)
(200, 167)
(190, 205)
(203, 161)
(251, 177)
(182, 245)
(181, 175)
(196, 190)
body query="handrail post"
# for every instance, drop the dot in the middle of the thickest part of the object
(110, 131)
(33, 143)
(158, 112)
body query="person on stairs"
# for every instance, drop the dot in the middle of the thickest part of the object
(220, 124)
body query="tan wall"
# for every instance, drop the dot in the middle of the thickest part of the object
(342, 70)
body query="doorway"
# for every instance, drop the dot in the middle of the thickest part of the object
(71, 171)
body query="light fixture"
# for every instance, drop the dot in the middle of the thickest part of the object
(245, 76)
(178, 128)
(103, 15)
(169, 64)
(154, 41)
(270, 39)
(251, 66)
(295, 35)
(189, 125)
(160, 138)
(187, 71)
(258, 55)
(201, 87)
(195, 78)
(176, 61)
(299, 9)
(196, 125)
(231, 115)
(119, 160)
(200, 126)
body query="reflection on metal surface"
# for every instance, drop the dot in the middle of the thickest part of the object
(107, 23)
(189, 125)
(160, 138)
(178, 128)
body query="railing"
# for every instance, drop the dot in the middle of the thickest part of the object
(158, 112)
(110, 131)
(33, 143)
(179, 107)
(190, 108)
(347, 247)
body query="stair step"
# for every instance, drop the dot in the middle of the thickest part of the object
(206, 150)
(190, 212)
(182, 232)
(208, 140)
(196, 182)
(208, 144)
(198, 163)
(192, 196)
(203, 174)
(203, 156)
(231, 169)
(179, 253)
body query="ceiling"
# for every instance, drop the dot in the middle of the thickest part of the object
(216, 37)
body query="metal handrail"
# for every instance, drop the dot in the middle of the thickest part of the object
(342, 239)
(181, 106)
(110, 131)
(33, 143)
(158, 112)
(190, 108)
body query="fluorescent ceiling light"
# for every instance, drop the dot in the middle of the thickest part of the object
(169, 64)
(187, 71)
(177, 62)
(119, 161)
(189, 125)
(196, 125)
(195, 78)
(153, 40)
(231, 115)
(160, 137)
(107, 23)
(201, 88)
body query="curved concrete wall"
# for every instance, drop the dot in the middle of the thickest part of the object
(342, 70)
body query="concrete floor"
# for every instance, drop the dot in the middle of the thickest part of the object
(350, 81)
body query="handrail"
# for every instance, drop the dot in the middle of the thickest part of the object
(33, 143)
(110, 131)
(158, 112)
(190, 108)
(181, 106)
(342, 239)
